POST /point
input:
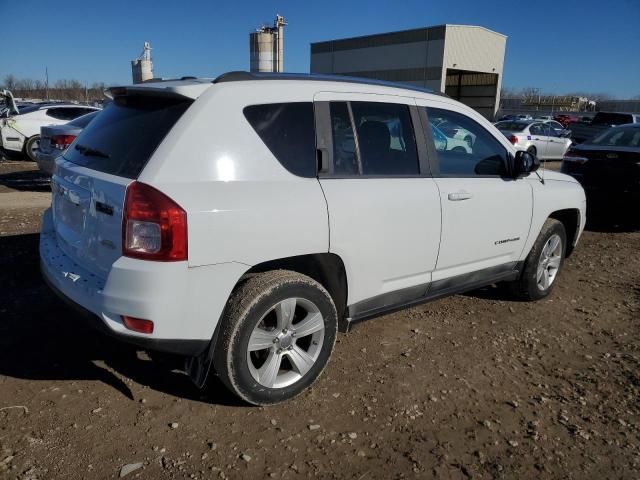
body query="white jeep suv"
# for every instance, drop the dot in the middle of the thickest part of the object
(243, 221)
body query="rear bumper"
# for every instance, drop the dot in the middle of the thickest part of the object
(46, 161)
(185, 304)
(180, 347)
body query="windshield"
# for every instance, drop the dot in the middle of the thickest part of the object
(511, 126)
(123, 137)
(618, 137)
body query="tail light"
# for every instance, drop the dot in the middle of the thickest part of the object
(513, 139)
(62, 142)
(574, 157)
(154, 226)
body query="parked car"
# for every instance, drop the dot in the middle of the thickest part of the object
(565, 120)
(558, 128)
(235, 228)
(608, 166)
(543, 118)
(537, 138)
(454, 131)
(445, 142)
(21, 132)
(602, 121)
(55, 139)
(522, 117)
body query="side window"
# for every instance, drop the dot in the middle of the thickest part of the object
(287, 129)
(536, 129)
(464, 147)
(546, 131)
(386, 140)
(345, 157)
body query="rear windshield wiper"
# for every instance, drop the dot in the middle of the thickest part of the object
(90, 152)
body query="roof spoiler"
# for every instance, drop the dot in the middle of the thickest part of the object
(115, 92)
(11, 103)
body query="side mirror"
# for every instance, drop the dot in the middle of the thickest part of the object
(565, 133)
(524, 163)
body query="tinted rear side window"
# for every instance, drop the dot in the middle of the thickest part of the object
(287, 129)
(123, 137)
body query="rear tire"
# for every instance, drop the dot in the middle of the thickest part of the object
(543, 264)
(31, 147)
(532, 150)
(276, 336)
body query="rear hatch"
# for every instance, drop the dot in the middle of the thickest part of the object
(90, 182)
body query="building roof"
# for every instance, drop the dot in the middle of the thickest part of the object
(422, 34)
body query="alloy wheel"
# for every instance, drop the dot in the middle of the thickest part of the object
(549, 263)
(285, 343)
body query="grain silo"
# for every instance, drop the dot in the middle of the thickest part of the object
(266, 47)
(142, 67)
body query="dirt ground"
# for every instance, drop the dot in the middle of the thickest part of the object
(473, 386)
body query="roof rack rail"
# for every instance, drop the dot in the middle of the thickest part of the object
(239, 76)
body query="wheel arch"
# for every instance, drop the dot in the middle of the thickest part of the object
(570, 219)
(325, 268)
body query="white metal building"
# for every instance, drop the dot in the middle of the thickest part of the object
(464, 61)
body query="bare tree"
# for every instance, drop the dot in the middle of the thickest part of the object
(64, 89)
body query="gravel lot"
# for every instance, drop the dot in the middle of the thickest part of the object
(473, 386)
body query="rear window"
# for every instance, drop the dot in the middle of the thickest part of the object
(83, 121)
(123, 137)
(287, 129)
(618, 137)
(511, 126)
(611, 119)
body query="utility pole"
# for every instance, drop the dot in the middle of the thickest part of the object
(46, 81)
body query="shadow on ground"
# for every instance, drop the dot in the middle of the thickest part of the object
(43, 339)
(29, 181)
(615, 215)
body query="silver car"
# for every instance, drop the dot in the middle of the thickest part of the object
(539, 138)
(55, 139)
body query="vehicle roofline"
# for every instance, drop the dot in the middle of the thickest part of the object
(242, 76)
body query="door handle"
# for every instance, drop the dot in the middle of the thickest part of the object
(457, 196)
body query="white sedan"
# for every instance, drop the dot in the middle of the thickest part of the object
(451, 130)
(538, 138)
(21, 132)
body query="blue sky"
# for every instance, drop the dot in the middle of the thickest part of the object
(558, 46)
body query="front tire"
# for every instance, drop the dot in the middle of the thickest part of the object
(543, 264)
(31, 146)
(276, 337)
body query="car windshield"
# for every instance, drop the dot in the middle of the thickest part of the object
(511, 126)
(123, 137)
(618, 137)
